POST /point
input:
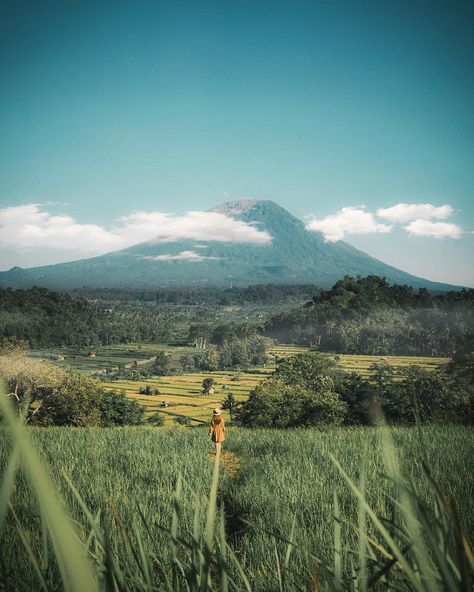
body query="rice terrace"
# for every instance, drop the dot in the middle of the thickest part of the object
(236, 296)
(183, 396)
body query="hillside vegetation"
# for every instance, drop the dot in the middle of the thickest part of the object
(105, 317)
(370, 316)
(356, 316)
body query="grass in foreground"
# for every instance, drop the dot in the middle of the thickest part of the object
(342, 509)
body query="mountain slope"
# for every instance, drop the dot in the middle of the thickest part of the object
(294, 255)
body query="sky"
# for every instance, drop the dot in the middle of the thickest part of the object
(120, 121)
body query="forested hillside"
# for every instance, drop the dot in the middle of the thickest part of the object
(370, 316)
(260, 294)
(357, 315)
(45, 318)
(91, 317)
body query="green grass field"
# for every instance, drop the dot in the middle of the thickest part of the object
(283, 476)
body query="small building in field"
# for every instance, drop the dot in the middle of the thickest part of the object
(92, 354)
(211, 391)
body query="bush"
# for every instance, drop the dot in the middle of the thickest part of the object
(148, 390)
(359, 396)
(274, 403)
(46, 395)
(437, 398)
(182, 420)
(155, 419)
(395, 393)
(72, 401)
(117, 409)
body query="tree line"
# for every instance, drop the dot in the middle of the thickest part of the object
(357, 315)
(370, 316)
(192, 296)
(311, 390)
(47, 319)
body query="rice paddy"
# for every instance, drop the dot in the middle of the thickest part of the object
(181, 394)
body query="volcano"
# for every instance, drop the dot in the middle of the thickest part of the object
(294, 255)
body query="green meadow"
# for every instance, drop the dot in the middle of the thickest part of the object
(274, 487)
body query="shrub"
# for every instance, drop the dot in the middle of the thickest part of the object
(395, 392)
(207, 384)
(117, 409)
(182, 420)
(72, 401)
(274, 403)
(437, 398)
(148, 390)
(359, 395)
(155, 419)
(46, 395)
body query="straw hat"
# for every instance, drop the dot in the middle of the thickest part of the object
(217, 411)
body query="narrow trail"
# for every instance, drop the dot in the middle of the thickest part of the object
(231, 463)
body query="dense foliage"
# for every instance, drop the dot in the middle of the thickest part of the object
(89, 318)
(233, 353)
(256, 294)
(357, 315)
(310, 389)
(46, 318)
(369, 316)
(46, 395)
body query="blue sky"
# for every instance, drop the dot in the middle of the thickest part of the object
(166, 107)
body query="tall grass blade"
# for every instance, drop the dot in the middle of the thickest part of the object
(337, 546)
(29, 551)
(410, 574)
(210, 525)
(76, 573)
(8, 481)
(362, 524)
(223, 568)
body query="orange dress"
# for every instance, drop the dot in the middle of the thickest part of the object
(217, 429)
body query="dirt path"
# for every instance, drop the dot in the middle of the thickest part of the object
(230, 461)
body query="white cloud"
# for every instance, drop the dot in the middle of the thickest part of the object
(183, 256)
(349, 220)
(434, 229)
(402, 213)
(30, 227)
(202, 226)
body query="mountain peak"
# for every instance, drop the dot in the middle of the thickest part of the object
(264, 212)
(294, 255)
(235, 207)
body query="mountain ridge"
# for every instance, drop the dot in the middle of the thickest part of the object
(293, 256)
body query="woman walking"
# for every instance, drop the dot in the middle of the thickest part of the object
(217, 429)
